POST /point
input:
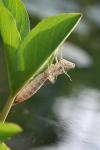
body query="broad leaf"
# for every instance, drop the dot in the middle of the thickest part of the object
(8, 130)
(40, 45)
(4, 146)
(10, 36)
(18, 11)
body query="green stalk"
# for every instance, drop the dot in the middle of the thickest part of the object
(6, 109)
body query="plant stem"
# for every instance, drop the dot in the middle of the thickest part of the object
(6, 109)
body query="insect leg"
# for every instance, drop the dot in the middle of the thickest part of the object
(56, 59)
(67, 74)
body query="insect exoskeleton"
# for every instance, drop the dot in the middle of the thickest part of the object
(50, 74)
(67, 65)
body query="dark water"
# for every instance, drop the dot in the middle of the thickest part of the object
(66, 115)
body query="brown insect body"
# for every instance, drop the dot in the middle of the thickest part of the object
(34, 85)
(31, 88)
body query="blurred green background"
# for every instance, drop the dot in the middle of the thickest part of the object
(65, 111)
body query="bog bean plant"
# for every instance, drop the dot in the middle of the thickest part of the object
(27, 52)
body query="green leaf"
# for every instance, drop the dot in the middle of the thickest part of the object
(19, 13)
(40, 45)
(8, 130)
(10, 36)
(4, 146)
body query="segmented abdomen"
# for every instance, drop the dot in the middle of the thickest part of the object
(31, 88)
